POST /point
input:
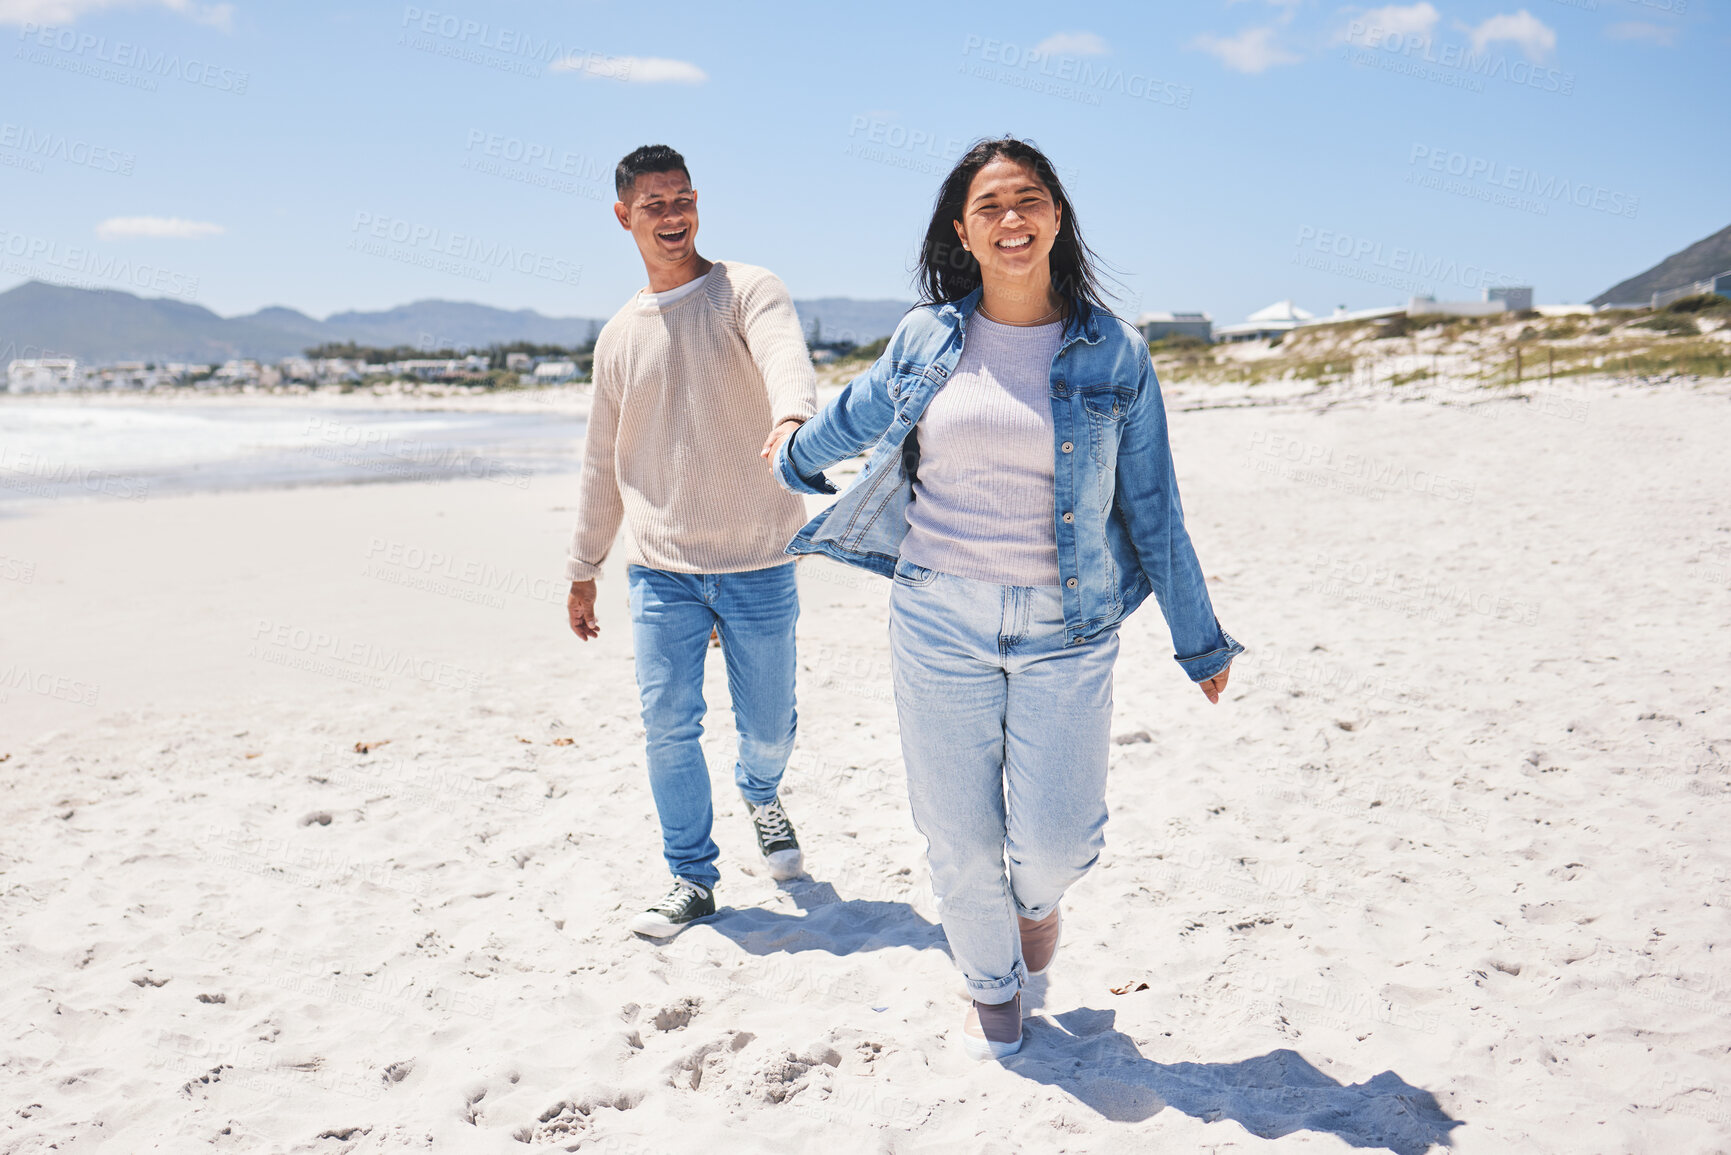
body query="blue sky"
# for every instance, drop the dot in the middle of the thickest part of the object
(1221, 154)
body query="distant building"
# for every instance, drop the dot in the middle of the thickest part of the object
(1720, 284)
(1503, 299)
(1515, 298)
(822, 356)
(42, 374)
(553, 372)
(298, 369)
(236, 372)
(519, 362)
(1158, 326)
(1266, 324)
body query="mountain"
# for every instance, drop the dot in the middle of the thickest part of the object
(845, 319)
(105, 325)
(1703, 259)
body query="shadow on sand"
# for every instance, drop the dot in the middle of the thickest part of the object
(829, 923)
(1270, 1095)
(1081, 1053)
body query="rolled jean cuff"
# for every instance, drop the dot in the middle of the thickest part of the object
(1031, 915)
(998, 991)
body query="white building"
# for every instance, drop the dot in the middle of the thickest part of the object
(552, 372)
(42, 374)
(1268, 323)
(1503, 299)
(1158, 326)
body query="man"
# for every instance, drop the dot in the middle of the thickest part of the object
(689, 377)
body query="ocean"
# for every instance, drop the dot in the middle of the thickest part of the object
(68, 450)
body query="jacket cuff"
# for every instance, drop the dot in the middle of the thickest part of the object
(1201, 667)
(789, 478)
(580, 571)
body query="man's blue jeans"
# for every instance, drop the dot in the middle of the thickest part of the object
(671, 617)
(1005, 732)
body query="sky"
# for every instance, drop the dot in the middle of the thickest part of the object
(1220, 154)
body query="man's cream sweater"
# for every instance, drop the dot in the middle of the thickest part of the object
(684, 397)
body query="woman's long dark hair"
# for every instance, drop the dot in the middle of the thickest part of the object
(948, 272)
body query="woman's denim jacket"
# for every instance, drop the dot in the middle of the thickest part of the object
(1119, 524)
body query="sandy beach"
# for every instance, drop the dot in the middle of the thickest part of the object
(322, 829)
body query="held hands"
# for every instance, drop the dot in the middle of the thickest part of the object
(1216, 686)
(779, 434)
(580, 608)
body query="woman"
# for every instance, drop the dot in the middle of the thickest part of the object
(1020, 492)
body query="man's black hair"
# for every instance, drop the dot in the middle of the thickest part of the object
(650, 158)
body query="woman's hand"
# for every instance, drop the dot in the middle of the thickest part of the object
(1216, 686)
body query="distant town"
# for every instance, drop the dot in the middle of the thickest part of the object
(526, 365)
(319, 368)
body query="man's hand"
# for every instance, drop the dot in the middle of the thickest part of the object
(779, 434)
(580, 607)
(1216, 686)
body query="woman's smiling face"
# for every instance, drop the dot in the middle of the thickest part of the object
(1009, 221)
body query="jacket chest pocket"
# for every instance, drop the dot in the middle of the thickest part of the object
(1105, 407)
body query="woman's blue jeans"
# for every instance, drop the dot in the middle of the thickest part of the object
(1005, 730)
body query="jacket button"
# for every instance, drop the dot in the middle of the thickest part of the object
(1071, 583)
(1069, 517)
(1066, 447)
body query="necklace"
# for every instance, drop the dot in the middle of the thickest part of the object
(1022, 324)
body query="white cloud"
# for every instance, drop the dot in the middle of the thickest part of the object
(1641, 30)
(68, 11)
(633, 69)
(1252, 50)
(1378, 24)
(128, 228)
(1072, 44)
(1536, 39)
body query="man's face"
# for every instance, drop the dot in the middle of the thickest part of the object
(661, 217)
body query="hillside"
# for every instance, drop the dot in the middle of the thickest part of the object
(106, 325)
(1705, 258)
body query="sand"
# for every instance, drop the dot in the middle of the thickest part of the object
(322, 831)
